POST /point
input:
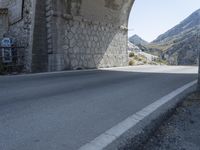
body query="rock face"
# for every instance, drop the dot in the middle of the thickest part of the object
(139, 57)
(70, 34)
(186, 25)
(184, 50)
(133, 48)
(182, 41)
(135, 39)
(179, 45)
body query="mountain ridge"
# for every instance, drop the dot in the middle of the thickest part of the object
(135, 39)
(180, 44)
(189, 22)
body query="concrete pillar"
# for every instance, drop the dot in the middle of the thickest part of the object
(39, 41)
(88, 34)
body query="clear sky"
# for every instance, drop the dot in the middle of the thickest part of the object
(150, 18)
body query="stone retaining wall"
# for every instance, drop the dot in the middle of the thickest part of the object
(20, 26)
(76, 40)
(70, 34)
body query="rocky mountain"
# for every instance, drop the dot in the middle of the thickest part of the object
(186, 25)
(136, 40)
(133, 48)
(179, 45)
(138, 57)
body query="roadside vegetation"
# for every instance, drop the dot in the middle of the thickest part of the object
(138, 59)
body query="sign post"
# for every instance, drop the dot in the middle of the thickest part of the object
(6, 50)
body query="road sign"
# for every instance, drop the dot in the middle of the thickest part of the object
(7, 50)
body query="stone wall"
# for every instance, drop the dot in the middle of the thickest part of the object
(20, 24)
(87, 34)
(15, 9)
(3, 22)
(70, 34)
(83, 44)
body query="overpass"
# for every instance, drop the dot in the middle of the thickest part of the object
(80, 34)
(69, 34)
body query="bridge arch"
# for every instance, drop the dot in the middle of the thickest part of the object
(84, 34)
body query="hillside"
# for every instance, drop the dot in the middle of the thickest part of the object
(179, 45)
(139, 57)
(136, 40)
(187, 24)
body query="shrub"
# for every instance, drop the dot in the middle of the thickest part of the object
(144, 61)
(131, 54)
(131, 62)
(140, 59)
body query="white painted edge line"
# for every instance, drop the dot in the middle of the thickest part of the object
(112, 134)
(84, 70)
(65, 71)
(50, 73)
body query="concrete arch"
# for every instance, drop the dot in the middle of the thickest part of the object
(84, 33)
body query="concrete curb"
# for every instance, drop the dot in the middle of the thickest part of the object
(131, 133)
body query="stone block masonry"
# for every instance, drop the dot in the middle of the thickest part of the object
(87, 34)
(20, 25)
(85, 44)
(72, 34)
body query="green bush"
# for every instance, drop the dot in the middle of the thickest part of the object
(131, 54)
(131, 62)
(140, 59)
(144, 61)
(161, 61)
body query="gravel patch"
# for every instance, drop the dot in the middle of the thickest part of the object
(181, 131)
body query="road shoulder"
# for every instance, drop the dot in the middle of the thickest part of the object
(134, 131)
(182, 130)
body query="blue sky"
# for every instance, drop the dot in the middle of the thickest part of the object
(150, 18)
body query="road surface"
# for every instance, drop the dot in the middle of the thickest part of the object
(64, 111)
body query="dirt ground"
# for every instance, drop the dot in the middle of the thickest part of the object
(182, 130)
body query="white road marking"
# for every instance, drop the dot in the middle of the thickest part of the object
(112, 134)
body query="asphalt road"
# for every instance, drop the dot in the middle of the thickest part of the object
(63, 111)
